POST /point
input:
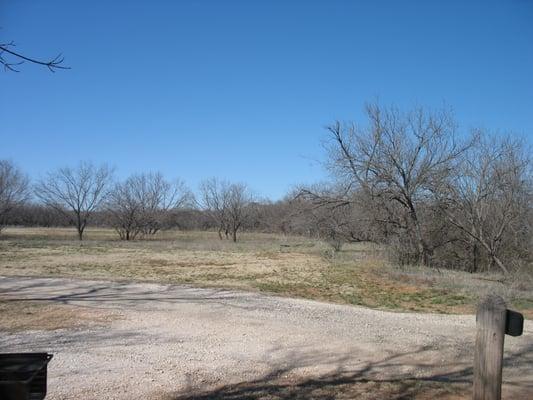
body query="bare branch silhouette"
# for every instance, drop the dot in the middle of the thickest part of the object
(52, 65)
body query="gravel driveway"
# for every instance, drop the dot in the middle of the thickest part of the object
(170, 339)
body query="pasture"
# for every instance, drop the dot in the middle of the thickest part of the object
(283, 265)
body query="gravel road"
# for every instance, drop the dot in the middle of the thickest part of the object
(166, 339)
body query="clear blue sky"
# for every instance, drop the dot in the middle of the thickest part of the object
(243, 89)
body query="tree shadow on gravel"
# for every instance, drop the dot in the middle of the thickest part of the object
(334, 386)
(369, 381)
(98, 294)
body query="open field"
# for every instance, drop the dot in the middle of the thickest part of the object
(288, 266)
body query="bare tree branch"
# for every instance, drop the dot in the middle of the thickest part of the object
(52, 65)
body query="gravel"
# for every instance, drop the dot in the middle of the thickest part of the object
(170, 339)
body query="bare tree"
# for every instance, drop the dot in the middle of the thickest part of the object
(214, 201)
(125, 210)
(239, 206)
(142, 203)
(159, 196)
(76, 192)
(14, 185)
(15, 59)
(337, 215)
(489, 200)
(397, 160)
(228, 204)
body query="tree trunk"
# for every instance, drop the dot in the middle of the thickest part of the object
(499, 263)
(495, 259)
(424, 255)
(80, 225)
(234, 235)
(475, 255)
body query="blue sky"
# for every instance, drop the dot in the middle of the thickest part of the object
(243, 89)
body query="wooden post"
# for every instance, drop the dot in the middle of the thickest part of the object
(488, 358)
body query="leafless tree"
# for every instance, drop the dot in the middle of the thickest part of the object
(337, 215)
(228, 204)
(142, 203)
(239, 207)
(125, 210)
(489, 200)
(160, 196)
(14, 185)
(214, 201)
(76, 192)
(397, 160)
(15, 59)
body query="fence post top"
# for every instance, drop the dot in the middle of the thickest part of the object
(492, 301)
(490, 304)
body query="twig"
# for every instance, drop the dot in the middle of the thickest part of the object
(52, 65)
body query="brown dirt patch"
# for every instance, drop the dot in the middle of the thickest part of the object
(20, 315)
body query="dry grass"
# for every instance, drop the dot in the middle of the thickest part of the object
(290, 266)
(32, 315)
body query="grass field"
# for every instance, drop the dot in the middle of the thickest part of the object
(283, 265)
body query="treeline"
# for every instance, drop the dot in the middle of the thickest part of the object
(436, 197)
(139, 206)
(405, 179)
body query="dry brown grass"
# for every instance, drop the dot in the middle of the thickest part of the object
(20, 315)
(290, 266)
(165, 261)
